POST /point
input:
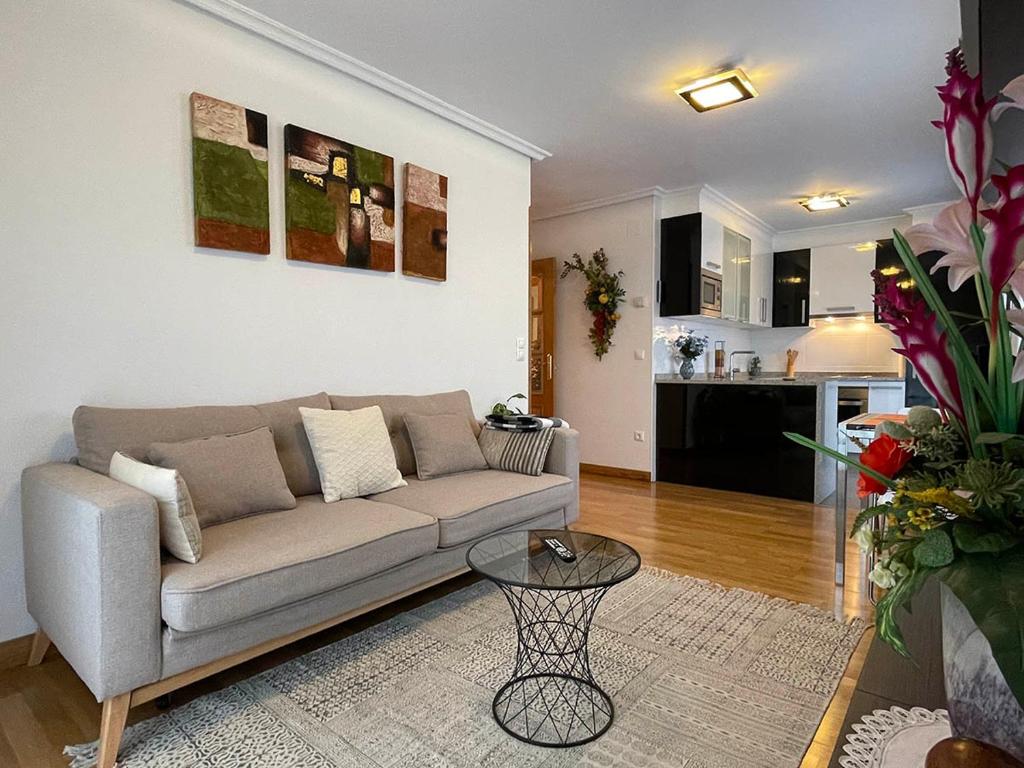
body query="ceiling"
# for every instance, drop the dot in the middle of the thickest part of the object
(846, 91)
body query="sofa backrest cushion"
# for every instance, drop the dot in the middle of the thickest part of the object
(290, 439)
(101, 431)
(395, 407)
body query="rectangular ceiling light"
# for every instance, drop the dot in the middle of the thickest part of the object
(717, 90)
(824, 202)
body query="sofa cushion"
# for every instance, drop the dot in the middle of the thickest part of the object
(395, 407)
(473, 504)
(101, 431)
(290, 440)
(228, 476)
(443, 444)
(260, 563)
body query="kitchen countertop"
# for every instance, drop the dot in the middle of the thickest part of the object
(774, 378)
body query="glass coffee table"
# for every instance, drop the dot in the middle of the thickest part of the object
(552, 699)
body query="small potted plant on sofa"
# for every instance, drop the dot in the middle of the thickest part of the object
(953, 479)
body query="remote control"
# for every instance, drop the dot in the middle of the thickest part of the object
(560, 549)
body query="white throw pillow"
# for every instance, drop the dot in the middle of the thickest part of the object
(353, 452)
(179, 526)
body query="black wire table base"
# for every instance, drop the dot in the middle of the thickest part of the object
(552, 699)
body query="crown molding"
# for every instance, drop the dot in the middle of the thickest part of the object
(599, 202)
(238, 15)
(737, 210)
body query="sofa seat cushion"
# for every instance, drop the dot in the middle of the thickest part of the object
(473, 504)
(255, 564)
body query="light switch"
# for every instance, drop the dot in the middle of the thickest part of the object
(640, 301)
(640, 354)
(520, 348)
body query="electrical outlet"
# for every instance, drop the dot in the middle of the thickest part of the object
(639, 436)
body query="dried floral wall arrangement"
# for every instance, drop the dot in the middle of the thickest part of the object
(602, 297)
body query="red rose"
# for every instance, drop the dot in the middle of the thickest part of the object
(886, 456)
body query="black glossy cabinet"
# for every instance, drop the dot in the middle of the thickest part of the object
(729, 437)
(791, 288)
(679, 275)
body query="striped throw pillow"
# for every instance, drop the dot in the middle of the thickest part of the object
(522, 452)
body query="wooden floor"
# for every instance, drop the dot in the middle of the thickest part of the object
(779, 547)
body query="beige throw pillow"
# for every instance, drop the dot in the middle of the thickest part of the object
(228, 476)
(353, 452)
(179, 527)
(443, 445)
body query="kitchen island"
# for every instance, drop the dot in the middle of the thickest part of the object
(727, 433)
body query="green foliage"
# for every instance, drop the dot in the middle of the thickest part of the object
(922, 419)
(935, 549)
(991, 483)
(972, 538)
(602, 296)
(505, 409)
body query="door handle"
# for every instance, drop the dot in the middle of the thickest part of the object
(803, 311)
(551, 366)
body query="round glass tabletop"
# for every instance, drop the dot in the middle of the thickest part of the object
(523, 559)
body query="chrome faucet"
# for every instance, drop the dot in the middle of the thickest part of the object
(734, 371)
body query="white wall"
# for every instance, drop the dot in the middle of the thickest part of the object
(106, 301)
(608, 399)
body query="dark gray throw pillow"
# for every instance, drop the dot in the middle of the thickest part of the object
(228, 476)
(522, 452)
(443, 444)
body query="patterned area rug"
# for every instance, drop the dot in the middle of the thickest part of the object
(701, 677)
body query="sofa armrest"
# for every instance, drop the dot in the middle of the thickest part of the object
(92, 574)
(564, 459)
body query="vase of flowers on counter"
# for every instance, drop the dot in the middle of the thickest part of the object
(687, 348)
(951, 479)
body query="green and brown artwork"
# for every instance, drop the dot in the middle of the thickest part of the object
(425, 224)
(229, 176)
(339, 202)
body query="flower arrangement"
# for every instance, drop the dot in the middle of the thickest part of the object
(954, 477)
(601, 298)
(689, 346)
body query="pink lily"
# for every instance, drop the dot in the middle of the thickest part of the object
(965, 123)
(949, 233)
(1014, 91)
(1004, 242)
(923, 344)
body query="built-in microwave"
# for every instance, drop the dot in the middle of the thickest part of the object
(710, 294)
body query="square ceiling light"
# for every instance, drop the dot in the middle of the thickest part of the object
(719, 90)
(824, 203)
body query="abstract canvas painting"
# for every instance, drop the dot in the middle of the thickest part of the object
(339, 202)
(425, 224)
(229, 176)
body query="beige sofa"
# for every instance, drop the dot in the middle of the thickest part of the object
(135, 625)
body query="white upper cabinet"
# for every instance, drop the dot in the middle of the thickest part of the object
(761, 289)
(841, 281)
(735, 276)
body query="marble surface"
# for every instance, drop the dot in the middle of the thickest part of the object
(775, 378)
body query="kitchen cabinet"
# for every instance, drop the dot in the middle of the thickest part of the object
(791, 288)
(841, 282)
(679, 276)
(761, 289)
(735, 276)
(729, 436)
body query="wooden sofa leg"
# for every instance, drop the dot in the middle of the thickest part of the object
(40, 643)
(115, 713)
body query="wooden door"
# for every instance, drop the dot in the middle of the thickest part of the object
(542, 337)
